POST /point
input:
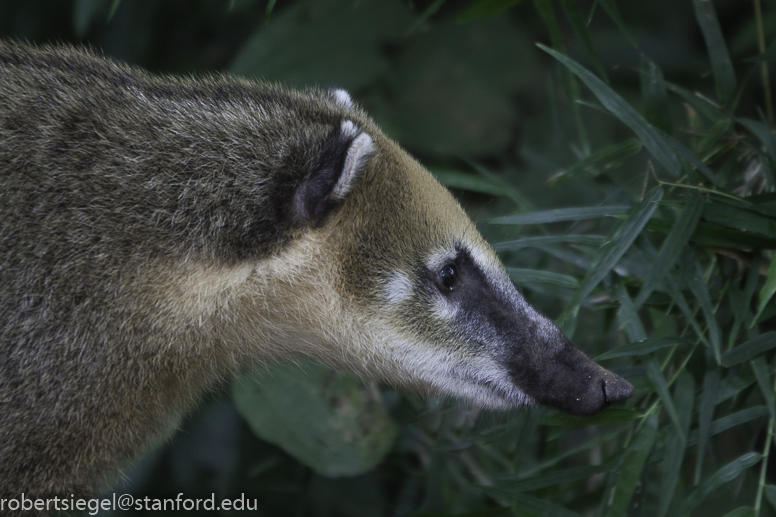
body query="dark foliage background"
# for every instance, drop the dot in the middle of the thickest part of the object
(657, 144)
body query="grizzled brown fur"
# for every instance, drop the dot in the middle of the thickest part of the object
(110, 177)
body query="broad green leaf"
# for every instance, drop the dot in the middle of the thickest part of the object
(749, 349)
(659, 383)
(553, 478)
(466, 181)
(483, 8)
(724, 475)
(545, 240)
(612, 252)
(329, 421)
(653, 140)
(684, 396)
(535, 276)
(763, 375)
(708, 403)
(767, 291)
(697, 285)
(673, 245)
(562, 214)
(631, 466)
(644, 347)
(606, 417)
(734, 384)
(721, 65)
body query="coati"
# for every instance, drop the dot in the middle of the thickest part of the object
(158, 234)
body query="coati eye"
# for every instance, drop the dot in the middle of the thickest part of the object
(448, 277)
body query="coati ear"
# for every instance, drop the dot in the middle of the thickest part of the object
(343, 156)
(342, 97)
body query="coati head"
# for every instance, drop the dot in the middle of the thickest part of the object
(398, 284)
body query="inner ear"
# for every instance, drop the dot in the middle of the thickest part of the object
(343, 155)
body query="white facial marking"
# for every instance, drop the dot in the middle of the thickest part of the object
(398, 288)
(444, 309)
(343, 98)
(439, 258)
(360, 151)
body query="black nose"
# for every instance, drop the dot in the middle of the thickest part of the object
(616, 388)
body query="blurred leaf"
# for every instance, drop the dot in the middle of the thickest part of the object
(545, 240)
(644, 347)
(466, 181)
(767, 291)
(580, 28)
(684, 396)
(742, 511)
(734, 384)
(631, 466)
(653, 140)
(601, 160)
(606, 417)
(528, 277)
(537, 482)
(430, 11)
(537, 506)
(610, 6)
(690, 156)
(724, 475)
(696, 283)
(716, 236)
(561, 214)
(763, 375)
(269, 9)
(721, 65)
(770, 494)
(482, 8)
(655, 94)
(613, 250)
(673, 245)
(85, 12)
(328, 421)
(750, 349)
(348, 58)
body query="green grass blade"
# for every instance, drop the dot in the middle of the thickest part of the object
(534, 506)
(684, 396)
(708, 403)
(631, 467)
(653, 140)
(740, 219)
(466, 181)
(673, 245)
(614, 13)
(600, 161)
(542, 241)
(697, 285)
(741, 511)
(770, 495)
(428, 13)
(528, 277)
(655, 94)
(612, 252)
(767, 291)
(554, 478)
(721, 65)
(644, 347)
(562, 214)
(724, 475)
(763, 375)
(655, 376)
(749, 349)
(607, 417)
(730, 421)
